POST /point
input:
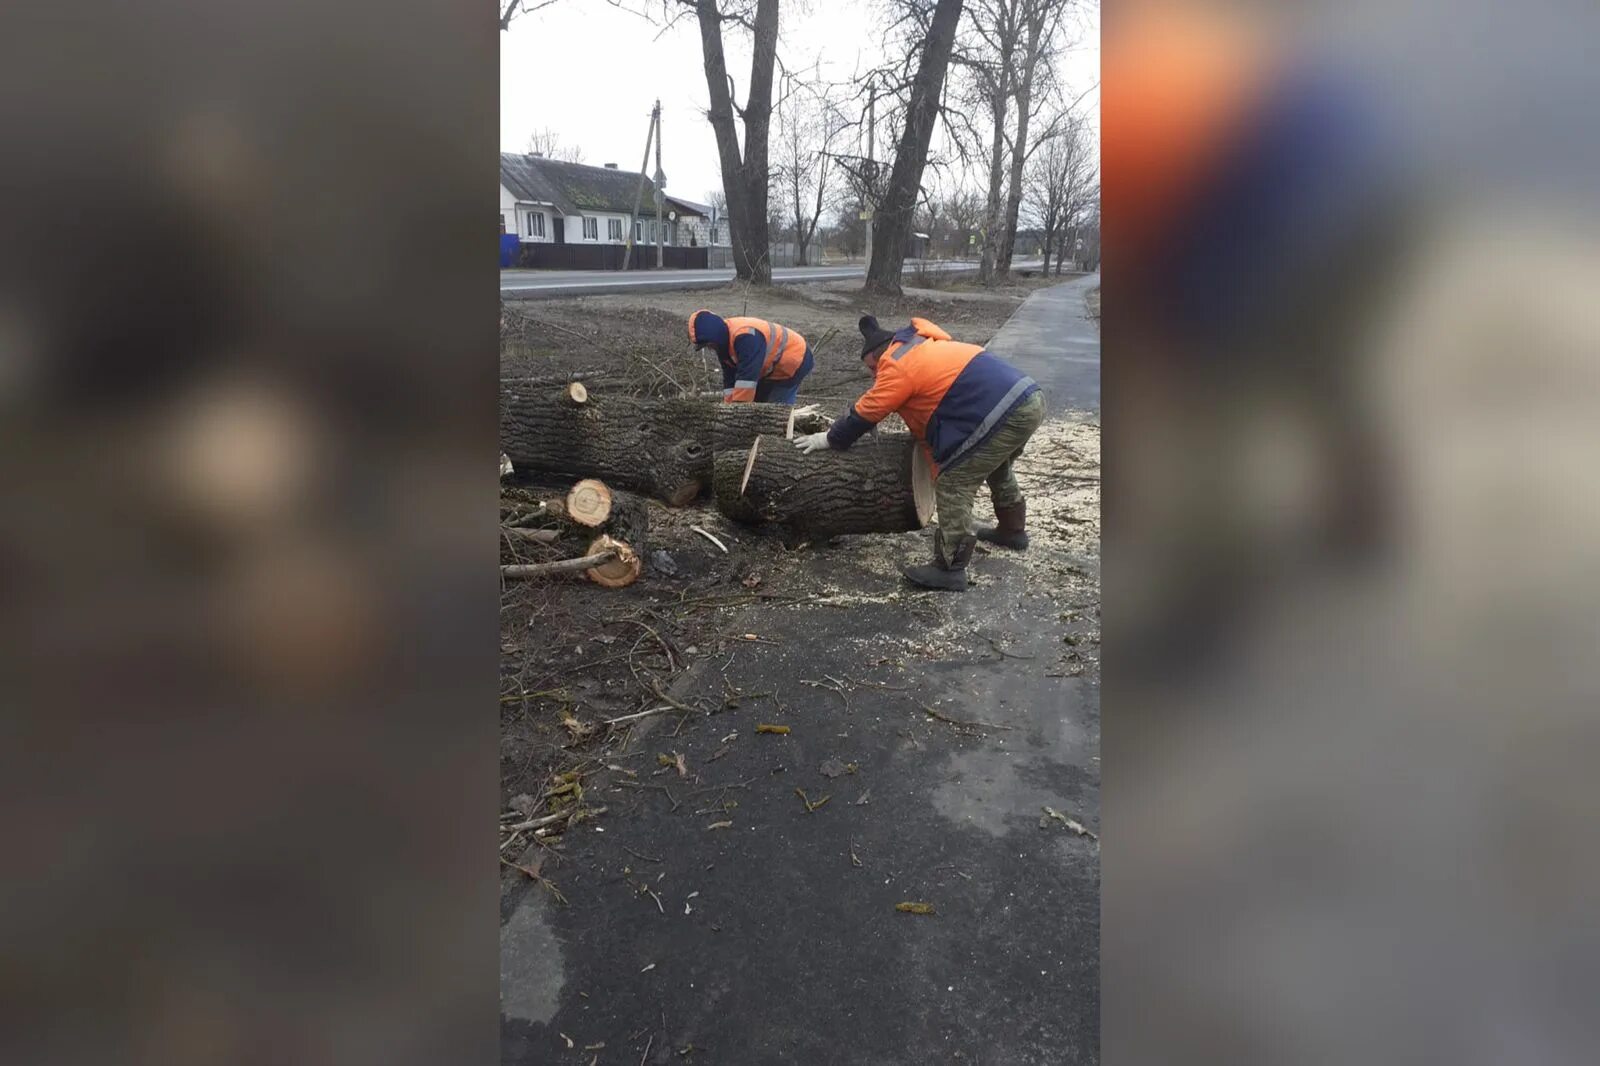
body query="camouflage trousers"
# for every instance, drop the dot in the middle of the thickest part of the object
(989, 462)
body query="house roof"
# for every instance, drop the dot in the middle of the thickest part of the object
(524, 176)
(689, 207)
(574, 187)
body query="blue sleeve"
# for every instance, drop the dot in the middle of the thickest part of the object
(847, 430)
(727, 376)
(750, 352)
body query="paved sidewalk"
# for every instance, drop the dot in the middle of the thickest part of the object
(1052, 338)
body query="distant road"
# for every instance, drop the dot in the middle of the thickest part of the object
(548, 284)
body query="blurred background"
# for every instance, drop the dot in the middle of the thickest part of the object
(247, 364)
(1353, 541)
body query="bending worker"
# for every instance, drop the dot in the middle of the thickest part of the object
(761, 361)
(973, 412)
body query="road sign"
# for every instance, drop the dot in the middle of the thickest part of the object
(865, 216)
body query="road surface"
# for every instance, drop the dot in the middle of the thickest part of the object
(549, 284)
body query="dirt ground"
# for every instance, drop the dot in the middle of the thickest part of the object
(575, 655)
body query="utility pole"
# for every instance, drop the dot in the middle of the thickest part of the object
(661, 181)
(638, 197)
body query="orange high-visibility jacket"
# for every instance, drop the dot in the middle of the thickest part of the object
(951, 395)
(750, 350)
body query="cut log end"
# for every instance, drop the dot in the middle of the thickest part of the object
(589, 503)
(922, 492)
(749, 465)
(577, 393)
(619, 572)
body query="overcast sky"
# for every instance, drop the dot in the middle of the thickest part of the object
(592, 72)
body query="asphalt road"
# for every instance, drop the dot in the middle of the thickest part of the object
(776, 939)
(550, 284)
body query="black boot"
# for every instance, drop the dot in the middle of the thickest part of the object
(948, 571)
(1011, 531)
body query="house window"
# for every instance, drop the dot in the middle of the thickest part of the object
(591, 229)
(614, 229)
(536, 223)
(638, 231)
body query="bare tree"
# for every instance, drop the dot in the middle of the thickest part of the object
(962, 210)
(547, 142)
(1040, 22)
(1061, 186)
(510, 9)
(891, 220)
(808, 126)
(744, 177)
(990, 63)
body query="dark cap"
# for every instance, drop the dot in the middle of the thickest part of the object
(873, 336)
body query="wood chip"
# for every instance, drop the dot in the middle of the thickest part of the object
(720, 825)
(781, 730)
(914, 908)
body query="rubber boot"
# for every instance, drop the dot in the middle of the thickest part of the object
(948, 571)
(1011, 528)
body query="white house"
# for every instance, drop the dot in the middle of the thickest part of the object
(547, 200)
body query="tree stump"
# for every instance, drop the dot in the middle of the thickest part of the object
(882, 485)
(657, 446)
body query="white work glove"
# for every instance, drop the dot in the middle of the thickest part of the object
(812, 442)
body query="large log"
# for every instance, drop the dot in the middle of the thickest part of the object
(735, 426)
(657, 446)
(882, 485)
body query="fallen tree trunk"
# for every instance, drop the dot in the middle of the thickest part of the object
(735, 426)
(657, 446)
(882, 485)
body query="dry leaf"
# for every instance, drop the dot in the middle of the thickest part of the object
(665, 760)
(683, 767)
(567, 1038)
(914, 908)
(782, 730)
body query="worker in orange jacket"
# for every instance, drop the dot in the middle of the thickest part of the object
(971, 410)
(761, 361)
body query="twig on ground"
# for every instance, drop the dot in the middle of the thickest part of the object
(551, 819)
(635, 717)
(646, 858)
(710, 537)
(958, 723)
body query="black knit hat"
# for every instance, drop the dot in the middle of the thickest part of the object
(873, 336)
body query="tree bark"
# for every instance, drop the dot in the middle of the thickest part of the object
(657, 446)
(744, 179)
(735, 426)
(891, 221)
(1039, 15)
(882, 485)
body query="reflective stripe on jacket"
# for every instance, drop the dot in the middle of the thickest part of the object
(758, 351)
(952, 396)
